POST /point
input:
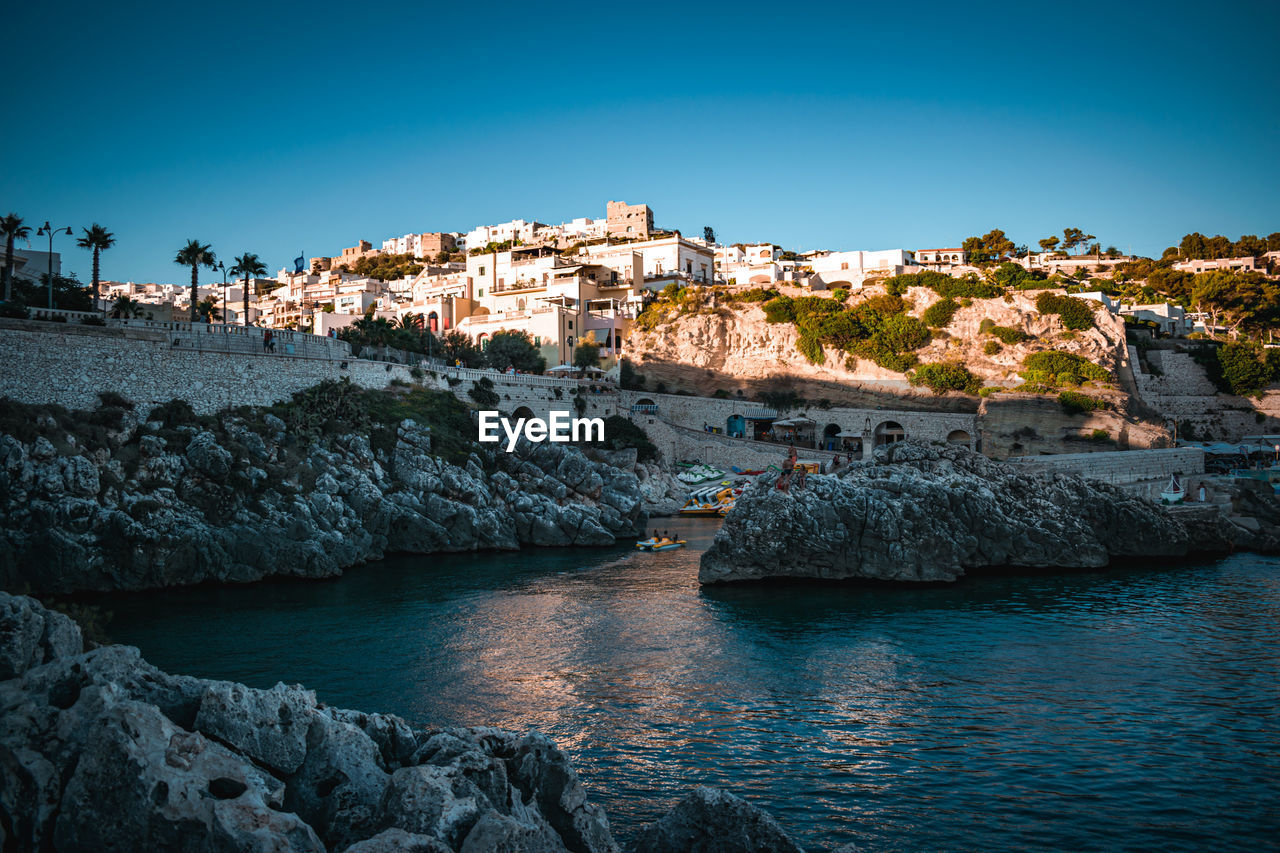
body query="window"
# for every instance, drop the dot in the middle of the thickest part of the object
(571, 324)
(482, 291)
(629, 229)
(845, 265)
(482, 270)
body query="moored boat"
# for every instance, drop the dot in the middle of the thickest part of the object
(652, 544)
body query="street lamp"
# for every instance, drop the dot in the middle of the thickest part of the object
(223, 267)
(44, 230)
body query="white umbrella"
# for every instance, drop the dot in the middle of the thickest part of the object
(561, 368)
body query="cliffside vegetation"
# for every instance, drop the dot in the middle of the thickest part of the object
(1244, 368)
(942, 377)
(878, 329)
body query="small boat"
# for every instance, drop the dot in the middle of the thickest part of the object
(652, 544)
(1174, 492)
(699, 474)
(711, 502)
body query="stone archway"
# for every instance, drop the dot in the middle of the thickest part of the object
(961, 437)
(831, 437)
(889, 432)
(524, 412)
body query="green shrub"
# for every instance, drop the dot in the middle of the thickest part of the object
(1053, 369)
(1242, 369)
(941, 377)
(1008, 334)
(840, 294)
(988, 390)
(114, 400)
(1100, 436)
(174, 413)
(14, 310)
(811, 348)
(780, 309)
(901, 333)
(939, 314)
(986, 325)
(755, 294)
(482, 392)
(1075, 403)
(1075, 313)
(991, 348)
(621, 433)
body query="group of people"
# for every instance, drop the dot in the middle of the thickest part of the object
(791, 475)
(268, 341)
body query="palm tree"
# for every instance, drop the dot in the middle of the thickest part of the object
(97, 239)
(195, 255)
(13, 229)
(207, 309)
(248, 265)
(125, 307)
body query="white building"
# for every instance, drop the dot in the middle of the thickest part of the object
(663, 260)
(850, 269)
(940, 258)
(1196, 265)
(516, 229)
(756, 264)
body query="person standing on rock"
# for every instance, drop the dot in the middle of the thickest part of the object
(788, 469)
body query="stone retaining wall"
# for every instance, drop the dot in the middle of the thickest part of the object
(698, 412)
(1121, 467)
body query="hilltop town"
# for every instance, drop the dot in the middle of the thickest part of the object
(1071, 348)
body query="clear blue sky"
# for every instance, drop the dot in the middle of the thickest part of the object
(280, 130)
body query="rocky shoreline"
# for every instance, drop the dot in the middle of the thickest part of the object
(99, 750)
(930, 513)
(110, 500)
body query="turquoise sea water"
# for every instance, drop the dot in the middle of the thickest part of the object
(1137, 708)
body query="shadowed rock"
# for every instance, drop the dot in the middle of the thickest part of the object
(929, 513)
(714, 821)
(102, 751)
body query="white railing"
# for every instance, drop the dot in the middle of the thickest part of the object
(59, 315)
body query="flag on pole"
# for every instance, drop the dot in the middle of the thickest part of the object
(299, 264)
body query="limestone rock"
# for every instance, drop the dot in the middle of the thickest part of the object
(269, 726)
(31, 635)
(155, 513)
(929, 513)
(102, 751)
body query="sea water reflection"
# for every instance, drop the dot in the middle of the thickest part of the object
(1131, 708)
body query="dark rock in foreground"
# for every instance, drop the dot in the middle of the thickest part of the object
(929, 513)
(99, 750)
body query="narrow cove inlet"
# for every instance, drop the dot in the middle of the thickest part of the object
(1128, 707)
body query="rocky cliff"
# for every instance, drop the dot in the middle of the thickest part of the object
(929, 513)
(130, 503)
(735, 345)
(99, 750)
